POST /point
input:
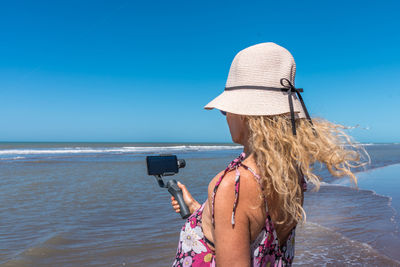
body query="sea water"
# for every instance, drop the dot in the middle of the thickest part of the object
(92, 204)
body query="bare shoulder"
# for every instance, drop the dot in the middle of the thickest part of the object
(224, 201)
(227, 183)
(249, 189)
(213, 182)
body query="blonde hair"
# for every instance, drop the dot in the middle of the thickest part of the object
(281, 157)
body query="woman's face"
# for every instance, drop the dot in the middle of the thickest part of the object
(237, 127)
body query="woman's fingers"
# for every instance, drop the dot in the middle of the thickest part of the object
(175, 205)
(177, 208)
(187, 198)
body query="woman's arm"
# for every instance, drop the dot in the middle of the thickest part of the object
(232, 243)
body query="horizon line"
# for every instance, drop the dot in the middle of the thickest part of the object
(165, 142)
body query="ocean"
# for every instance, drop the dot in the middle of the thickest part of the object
(93, 204)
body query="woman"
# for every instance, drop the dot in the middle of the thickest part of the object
(254, 205)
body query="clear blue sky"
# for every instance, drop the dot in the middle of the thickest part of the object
(142, 71)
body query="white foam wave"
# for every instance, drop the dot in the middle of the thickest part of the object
(91, 150)
(370, 144)
(12, 158)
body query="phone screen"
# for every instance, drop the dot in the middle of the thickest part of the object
(159, 165)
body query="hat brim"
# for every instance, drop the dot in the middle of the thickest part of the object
(255, 102)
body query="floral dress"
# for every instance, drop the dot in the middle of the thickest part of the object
(265, 249)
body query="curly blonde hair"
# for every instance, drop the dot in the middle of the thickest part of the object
(282, 157)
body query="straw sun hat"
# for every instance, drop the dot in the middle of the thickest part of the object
(261, 82)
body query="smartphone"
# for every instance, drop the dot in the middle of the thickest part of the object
(162, 165)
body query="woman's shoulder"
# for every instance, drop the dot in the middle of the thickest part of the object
(248, 185)
(214, 181)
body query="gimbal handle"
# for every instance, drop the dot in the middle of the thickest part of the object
(175, 191)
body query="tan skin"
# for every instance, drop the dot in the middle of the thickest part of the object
(232, 244)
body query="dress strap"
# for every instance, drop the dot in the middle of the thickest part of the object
(234, 165)
(258, 178)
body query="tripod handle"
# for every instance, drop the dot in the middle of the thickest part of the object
(174, 190)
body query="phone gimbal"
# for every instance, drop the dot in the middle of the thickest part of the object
(167, 165)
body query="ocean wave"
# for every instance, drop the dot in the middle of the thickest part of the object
(347, 186)
(359, 214)
(325, 245)
(371, 144)
(119, 150)
(12, 158)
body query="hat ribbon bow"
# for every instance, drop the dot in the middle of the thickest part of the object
(293, 90)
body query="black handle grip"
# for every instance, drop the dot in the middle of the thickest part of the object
(174, 190)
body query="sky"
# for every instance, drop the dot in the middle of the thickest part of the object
(142, 71)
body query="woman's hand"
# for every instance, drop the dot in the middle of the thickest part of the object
(187, 197)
